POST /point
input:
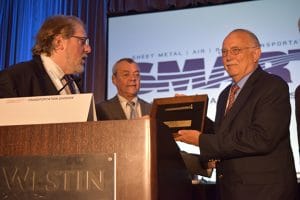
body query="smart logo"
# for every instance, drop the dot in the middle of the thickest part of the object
(169, 76)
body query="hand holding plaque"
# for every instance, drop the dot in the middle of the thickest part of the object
(181, 118)
(188, 136)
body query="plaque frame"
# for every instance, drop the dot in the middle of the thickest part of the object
(188, 112)
(180, 112)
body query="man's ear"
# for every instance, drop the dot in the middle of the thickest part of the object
(113, 78)
(257, 54)
(58, 42)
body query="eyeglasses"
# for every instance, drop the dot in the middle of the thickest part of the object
(84, 40)
(234, 51)
(126, 75)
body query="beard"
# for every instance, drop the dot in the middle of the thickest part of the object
(76, 66)
(78, 69)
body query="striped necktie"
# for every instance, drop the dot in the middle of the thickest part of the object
(70, 82)
(133, 114)
(233, 90)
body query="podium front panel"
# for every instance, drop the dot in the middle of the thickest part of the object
(130, 140)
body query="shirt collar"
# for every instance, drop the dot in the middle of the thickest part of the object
(52, 67)
(124, 100)
(242, 82)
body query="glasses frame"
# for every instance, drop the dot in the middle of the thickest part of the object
(84, 40)
(127, 75)
(234, 51)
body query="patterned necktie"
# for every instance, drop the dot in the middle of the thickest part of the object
(233, 90)
(70, 82)
(133, 113)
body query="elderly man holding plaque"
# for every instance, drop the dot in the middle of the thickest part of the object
(250, 144)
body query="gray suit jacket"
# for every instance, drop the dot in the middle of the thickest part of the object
(112, 110)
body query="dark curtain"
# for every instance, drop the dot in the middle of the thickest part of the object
(132, 6)
(21, 19)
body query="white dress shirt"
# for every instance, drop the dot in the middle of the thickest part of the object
(126, 108)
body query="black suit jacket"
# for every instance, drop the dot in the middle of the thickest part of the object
(112, 109)
(26, 79)
(297, 111)
(253, 142)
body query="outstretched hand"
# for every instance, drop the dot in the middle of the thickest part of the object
(188, 136)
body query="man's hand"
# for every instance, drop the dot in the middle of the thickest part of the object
(145, 117)
(212, 164)
(188, 136)
(179, 95)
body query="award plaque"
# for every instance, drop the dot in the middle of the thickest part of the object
(180, 112)
(168, 116)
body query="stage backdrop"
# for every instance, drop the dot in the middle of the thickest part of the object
(179, 51)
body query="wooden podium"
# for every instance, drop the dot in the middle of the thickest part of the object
(148, 165)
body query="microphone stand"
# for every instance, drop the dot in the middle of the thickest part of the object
(65, 85)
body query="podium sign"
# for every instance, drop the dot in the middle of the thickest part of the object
(182, 112)
(86, 176)
(47, 109)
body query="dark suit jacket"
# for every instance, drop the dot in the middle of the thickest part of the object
(112, 109)
(253, 142)
(297, 107)
(26, 79)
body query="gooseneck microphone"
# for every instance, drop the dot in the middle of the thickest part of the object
(69, 82)
(65, 85)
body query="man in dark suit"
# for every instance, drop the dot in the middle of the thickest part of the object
(251, 141)
(60, 51)
(126, 104)
(297, 110)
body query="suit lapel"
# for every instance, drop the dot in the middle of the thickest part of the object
(45, 82)
(117, 109)
(144, 108)
(239, 102)
(223, 103)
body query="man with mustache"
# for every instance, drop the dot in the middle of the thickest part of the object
(126, 104)
(59, 53)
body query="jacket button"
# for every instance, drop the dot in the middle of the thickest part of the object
(221, 176)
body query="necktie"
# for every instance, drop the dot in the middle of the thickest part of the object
(69, 81)
(133, 113)
(233, 90)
